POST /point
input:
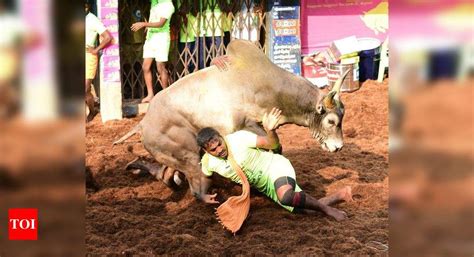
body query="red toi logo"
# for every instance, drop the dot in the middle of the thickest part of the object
(23, 224)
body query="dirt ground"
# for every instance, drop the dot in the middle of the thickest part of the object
(431, 177)
(41, 166)
(126, 214)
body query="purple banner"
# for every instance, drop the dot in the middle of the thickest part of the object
(110, 61)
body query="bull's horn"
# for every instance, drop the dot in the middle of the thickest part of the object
(337, 86)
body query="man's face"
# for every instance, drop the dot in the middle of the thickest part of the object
(87, 8)
(217, 147)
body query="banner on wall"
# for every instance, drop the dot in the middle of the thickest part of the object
(324, 21)
(285, 46)
(110, 59)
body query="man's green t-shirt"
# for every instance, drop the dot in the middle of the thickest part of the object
(160, 9)
(254, 162)
(261, 168)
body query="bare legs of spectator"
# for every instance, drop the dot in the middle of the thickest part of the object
(148, 76)
(90, 101)
(163, 72)
(146, 66)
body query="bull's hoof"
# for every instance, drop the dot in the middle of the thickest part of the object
(179, 179)
(138, 167)
(170, 177)
(173, 179)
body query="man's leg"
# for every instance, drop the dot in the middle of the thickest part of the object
(285, 188)
(164, 79)
(202, 52)
(90, 101)
(193, 57)
(91, 69)
(146, 66)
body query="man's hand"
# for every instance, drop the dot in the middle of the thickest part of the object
(270, 121)
(222, 62)
(210, 199)
(137, 26)
(92, 50)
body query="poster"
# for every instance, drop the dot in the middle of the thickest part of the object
(285, 38)
(323, 21)
(110, 59)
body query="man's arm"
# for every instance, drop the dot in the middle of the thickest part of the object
(204, 183)
(156, 24)
(139, 25)
(202, 195)
(106, 39)
(270, 123)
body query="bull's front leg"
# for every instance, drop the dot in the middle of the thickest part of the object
(186, 162)
(176, 148)
(199, 185)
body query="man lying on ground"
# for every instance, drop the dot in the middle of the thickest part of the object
(272, 174)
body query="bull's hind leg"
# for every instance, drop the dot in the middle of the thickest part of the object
(141, 167)
(169, 176)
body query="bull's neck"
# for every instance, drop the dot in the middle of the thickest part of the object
(304, 97)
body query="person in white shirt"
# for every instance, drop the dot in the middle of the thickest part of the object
(94, 27)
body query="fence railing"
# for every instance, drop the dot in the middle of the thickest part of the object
(200, 31)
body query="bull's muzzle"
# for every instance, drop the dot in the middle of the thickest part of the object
(332, 145)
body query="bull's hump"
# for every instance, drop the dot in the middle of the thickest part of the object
(246, 55)
(186, 87)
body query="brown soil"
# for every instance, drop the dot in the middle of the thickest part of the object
(41, 166)
(431, 177)
(129, 214)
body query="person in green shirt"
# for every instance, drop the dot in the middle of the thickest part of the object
(272, 174)
(187, 34)
(157, 43)
(210, 33)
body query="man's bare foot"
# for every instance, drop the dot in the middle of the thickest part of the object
(346, 194)
(147, 99)
(335, 213)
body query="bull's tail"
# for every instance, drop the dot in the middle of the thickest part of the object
(132, 132)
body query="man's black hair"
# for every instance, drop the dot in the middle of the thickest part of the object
(205, 135)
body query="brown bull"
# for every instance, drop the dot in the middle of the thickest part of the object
(231, 100)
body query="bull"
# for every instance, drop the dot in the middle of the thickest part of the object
(230, 100)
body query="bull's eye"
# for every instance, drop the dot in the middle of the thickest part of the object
(331, 122)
